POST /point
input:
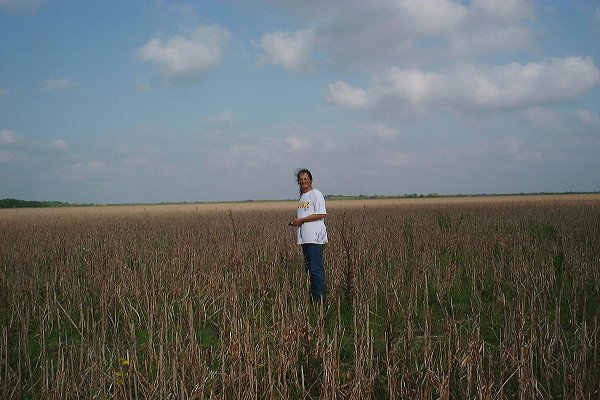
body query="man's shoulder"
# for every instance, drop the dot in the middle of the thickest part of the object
(316, 192)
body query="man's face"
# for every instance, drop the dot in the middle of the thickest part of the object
(305, 182)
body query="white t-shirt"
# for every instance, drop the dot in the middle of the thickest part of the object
(310, 203)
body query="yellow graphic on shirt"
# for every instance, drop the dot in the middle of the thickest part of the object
(303, 204)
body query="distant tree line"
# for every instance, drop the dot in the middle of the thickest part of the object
(378, 196)
(16, 203)
(430, 195)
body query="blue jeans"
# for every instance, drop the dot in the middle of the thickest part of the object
(313, 264)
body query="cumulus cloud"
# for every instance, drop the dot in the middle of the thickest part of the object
(506, 10)
(143, 87)
(489, 40)
(431, 17)
(410, 86)
(466, 87)
(345, 95)
(361, 34)
(7, 137)
(6, 156)
(83, 171)
(58, 145)
(53, 85)
(245, 157)
(403, 159)
(297, 143)
(225, 119)
(182, 58)
(519, 151)
(541, 117)
(290, 50)
(587, 118)
(23, 145)
(272, 152)
(380, 130)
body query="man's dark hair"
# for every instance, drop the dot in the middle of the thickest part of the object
(303, 171)
(300, 172)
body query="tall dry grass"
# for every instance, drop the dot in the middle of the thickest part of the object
(451, 301)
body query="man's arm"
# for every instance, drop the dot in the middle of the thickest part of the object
(310, 218)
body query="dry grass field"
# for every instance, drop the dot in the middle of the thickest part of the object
(449, 298)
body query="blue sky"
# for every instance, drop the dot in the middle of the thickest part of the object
(165, 101)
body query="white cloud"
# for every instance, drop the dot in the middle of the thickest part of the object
(143, 87)
(243, 156)
(412, 86)
(431, 17)
(518, 150)
(183, 58)
(541, 117)
(24, 146)
(83, 171)
(291, 50)
(402, 159)
(506, 10)
(6, 156)
(364, 34)
(270, 153)
(557, 79)
(53, 85)
(345, 95)
(597, 16)
(588, 118)
(493, 26)
(489, 40)
(17, 148)
(381, 131)
(21, 5)
(225, 119)
(7, 137)
(297, 144)
(58, 145)
(466, 87)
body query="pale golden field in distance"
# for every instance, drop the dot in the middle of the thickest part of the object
(451, 298)
(290, 205)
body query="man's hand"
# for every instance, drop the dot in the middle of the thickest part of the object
(297, 222)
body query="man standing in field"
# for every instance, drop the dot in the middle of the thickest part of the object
(311, 232)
